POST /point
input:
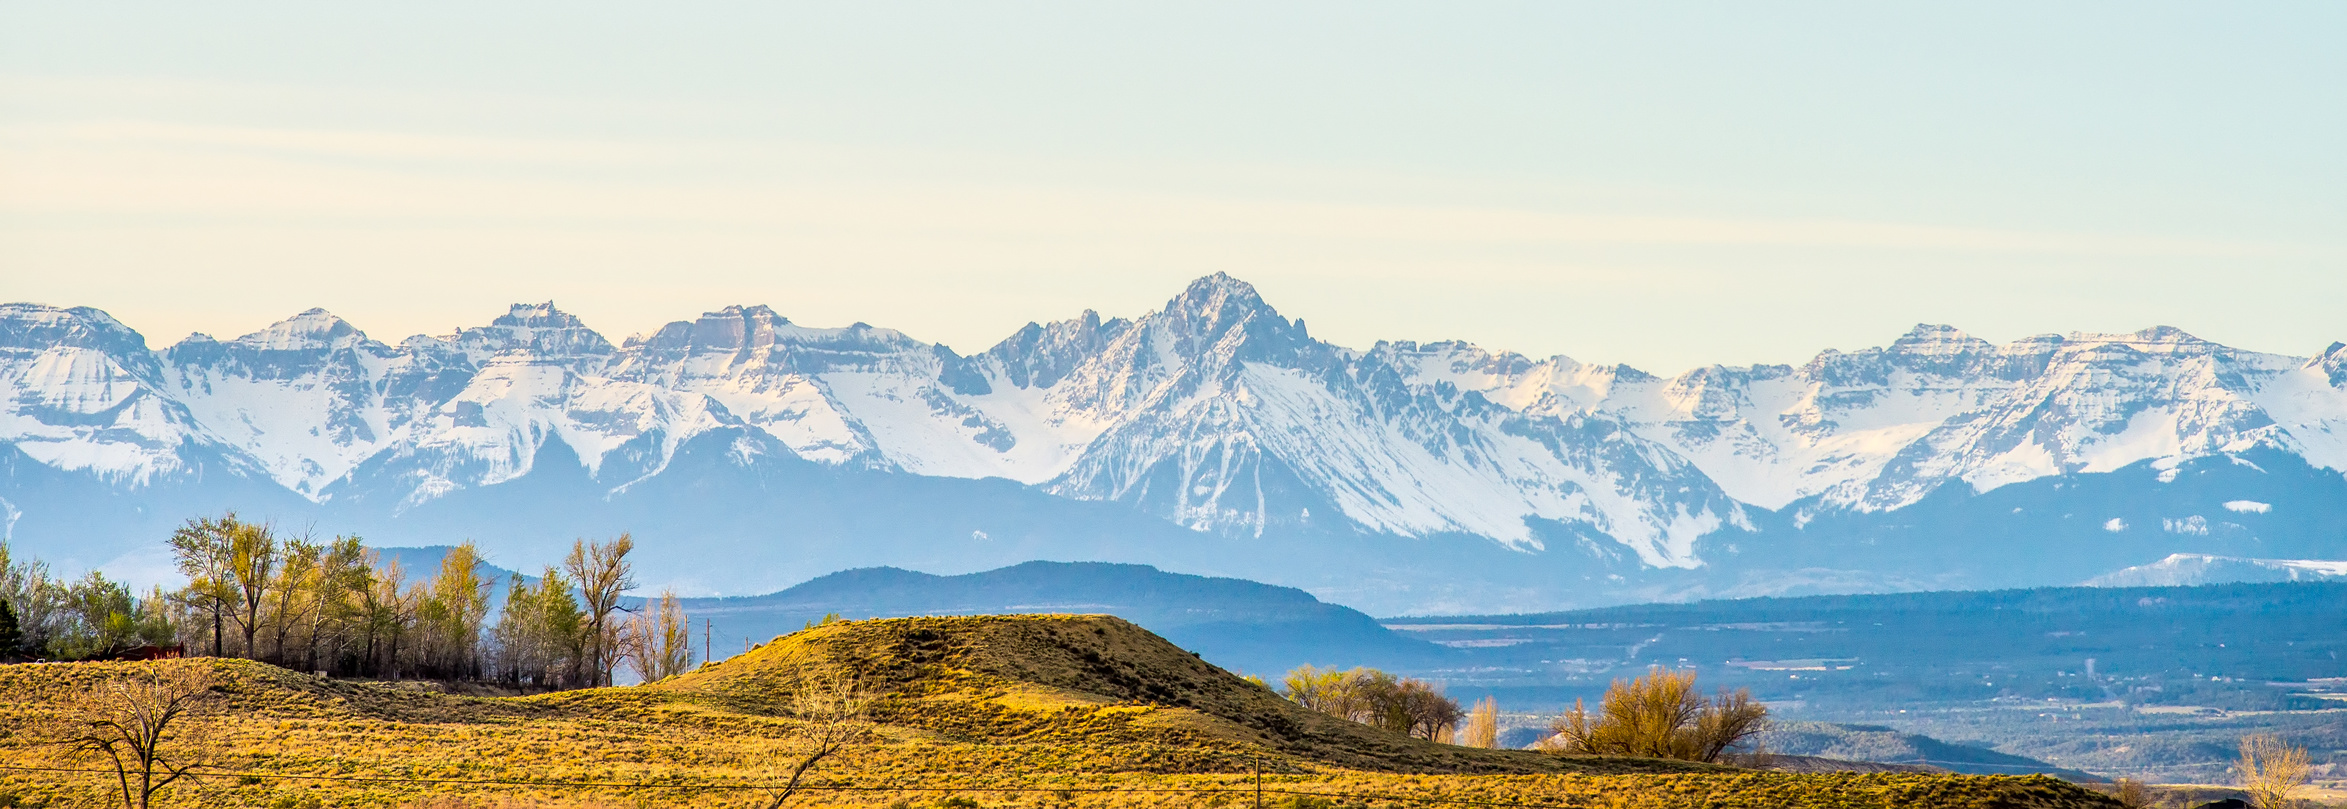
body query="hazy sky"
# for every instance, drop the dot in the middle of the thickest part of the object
(1664, 184)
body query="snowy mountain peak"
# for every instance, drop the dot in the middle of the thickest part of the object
(313, 330)
(537, 315)
(1216, 302)
(2333, 364)
(80, 392)
(1214, 411)
(728, 330)
(39, 327)
(1219, 319)
(1930, 340)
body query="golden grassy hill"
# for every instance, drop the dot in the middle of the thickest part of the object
(1030, 711)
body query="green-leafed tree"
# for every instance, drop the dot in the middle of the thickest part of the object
(453, 615)
(201, 549)
(37, 600)
(290, 600)
(11, 636)
(537, 635)
(338, 617)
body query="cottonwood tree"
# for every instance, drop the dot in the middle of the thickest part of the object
(2272, 771)
(150, 725)
(452, 615)
(2133, 794)
(201, 550)
(1661, 715)
(99, 618)
(829, 706)
(602, 573)
(287, 595)
(337, 616)
(539, 635)
(37, 601)
(1395, 704)
(389, 604)
(660, 640)
(1482, 729)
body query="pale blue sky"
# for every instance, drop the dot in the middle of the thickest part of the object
(1659, 184)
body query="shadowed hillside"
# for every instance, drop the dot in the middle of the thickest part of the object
(1238, 624)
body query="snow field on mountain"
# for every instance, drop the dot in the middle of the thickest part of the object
(1215, 394)
(76, 409)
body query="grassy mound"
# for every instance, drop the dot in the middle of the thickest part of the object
(1088, 679)
(1058, 711)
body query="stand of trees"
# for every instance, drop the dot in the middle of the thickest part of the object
(334, 606)
(47, 618)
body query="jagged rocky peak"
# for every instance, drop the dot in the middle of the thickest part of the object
(2333, 363)
(1038, 356)
(1222, 317)
(1928, 348)
(539, 328)
(727, 330)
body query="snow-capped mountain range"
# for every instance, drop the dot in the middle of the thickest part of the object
(1214, 413)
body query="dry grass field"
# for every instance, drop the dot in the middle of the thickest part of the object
(1026, 711)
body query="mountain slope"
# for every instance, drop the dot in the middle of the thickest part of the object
(1498, 480)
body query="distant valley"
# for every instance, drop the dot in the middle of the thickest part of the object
(2146, 681)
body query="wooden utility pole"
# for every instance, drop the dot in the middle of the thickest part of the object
(708, 652)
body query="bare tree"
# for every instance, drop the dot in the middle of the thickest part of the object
(2271, 770)
(2134, 794)
(1482, 728)
(1661, 715)
(829, 705)
(389, 611)
(659, 640)
(602, 573)
(150, 725)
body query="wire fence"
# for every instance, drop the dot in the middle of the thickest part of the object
(1258, 790)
